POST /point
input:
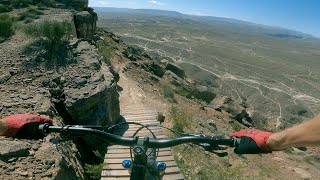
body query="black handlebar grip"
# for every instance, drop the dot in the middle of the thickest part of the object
(247, 146)
(42, 129)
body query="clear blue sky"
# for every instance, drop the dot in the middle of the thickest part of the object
(301, 15)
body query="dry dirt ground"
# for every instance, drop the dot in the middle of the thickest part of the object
(278, 165)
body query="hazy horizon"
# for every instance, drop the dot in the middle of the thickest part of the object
(294, 15)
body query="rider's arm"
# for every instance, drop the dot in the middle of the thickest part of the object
(302, 135)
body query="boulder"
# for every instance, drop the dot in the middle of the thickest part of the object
(155, 68)
(79, 5)
(133, 53)
(201, 93)
(113, 36)
(176, 69)
(244, 118)
(85, 24)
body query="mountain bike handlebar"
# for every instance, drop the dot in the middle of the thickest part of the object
(130, 141)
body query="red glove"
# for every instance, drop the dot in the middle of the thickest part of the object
(15, 123)
(259, 137)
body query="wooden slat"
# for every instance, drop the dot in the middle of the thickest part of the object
(128, 134)
(135, 127)
(139, 133)
(158, 137)
(139, 116)
(127, 150)
(116, 153)
(119, 166)
(138, 111)
(134, 130)
(153, 124)
(165, 177)
(117, 161)
(125, 172)
(127, 155)
(129, 116)
(115, 173)
(144, 122)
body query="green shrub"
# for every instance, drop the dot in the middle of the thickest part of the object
(289, 150)
(41, 6)
(52, 38)
(21, 3)
(235, 125)
(94, 171)
(312, 158)
(168, 93)
(48, 3)
(5, 8)
(6, 26)
(28, 20)
(105, 50)
(180, 119)
(30, 15)
(182, 91)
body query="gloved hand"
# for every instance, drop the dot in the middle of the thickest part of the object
(23, 125)
(252, 141)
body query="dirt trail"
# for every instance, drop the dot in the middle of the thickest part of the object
(131, 95)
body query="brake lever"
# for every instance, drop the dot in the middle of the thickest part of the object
(209, 147)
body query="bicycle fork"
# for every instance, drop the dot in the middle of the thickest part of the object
(144, 165)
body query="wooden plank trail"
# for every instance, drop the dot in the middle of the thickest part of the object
(116, 153)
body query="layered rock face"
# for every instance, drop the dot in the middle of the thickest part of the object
(85, 19)
(87, 92)
(176, 69)
(92, 96)
(79, 5)
(85, 23)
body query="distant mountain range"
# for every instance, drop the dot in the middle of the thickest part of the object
(276, 32)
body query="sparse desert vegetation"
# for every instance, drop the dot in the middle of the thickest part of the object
(30, 15)
(242, 61)
(6, 26)
(52, 40)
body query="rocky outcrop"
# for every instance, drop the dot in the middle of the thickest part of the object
(238, 111)
(176, 69)
(154, 68)
(244, 118)
(85, 23)
(87, 91)
(79, 5)
(135, 53)
(34, 159)
(201, 93)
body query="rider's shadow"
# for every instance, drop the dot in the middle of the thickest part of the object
(121, 129)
